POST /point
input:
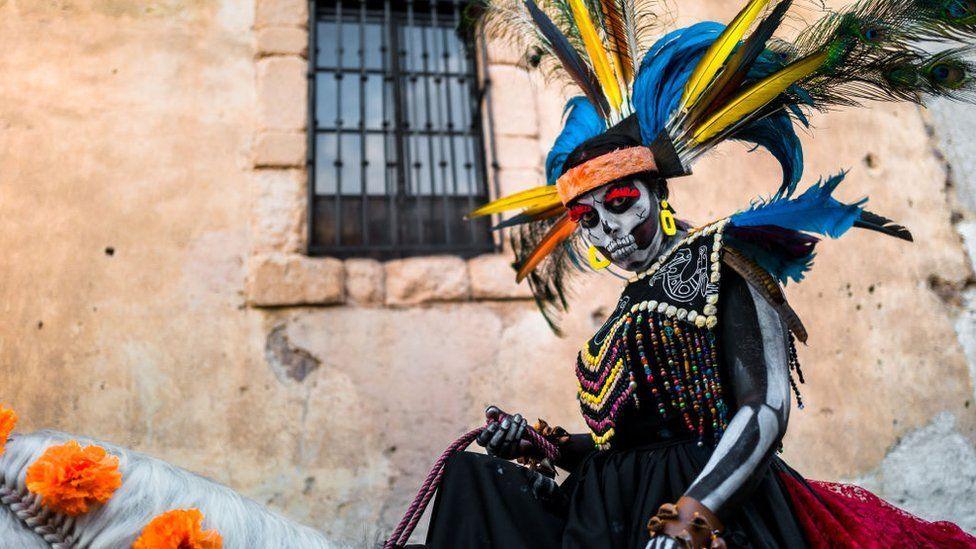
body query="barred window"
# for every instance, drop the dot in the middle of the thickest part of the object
(396, 155)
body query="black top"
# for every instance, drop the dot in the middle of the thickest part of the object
(659, 368)
(738, 323)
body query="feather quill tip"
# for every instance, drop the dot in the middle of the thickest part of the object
(541, 198)
(878, 223)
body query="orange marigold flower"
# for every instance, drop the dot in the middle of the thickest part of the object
(8, 418)
(69, 478)
(178, 529)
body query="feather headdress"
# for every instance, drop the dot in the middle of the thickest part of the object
(700, 85)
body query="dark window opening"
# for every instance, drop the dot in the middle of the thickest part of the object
(396, 151)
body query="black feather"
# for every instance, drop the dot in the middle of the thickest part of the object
(569, 58)
(739, 64)
(550, 280)
(881, 224)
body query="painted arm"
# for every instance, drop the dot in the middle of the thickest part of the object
(757, 357)
(756, 350)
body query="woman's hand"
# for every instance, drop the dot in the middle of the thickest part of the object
(506, 439)
(501, 438)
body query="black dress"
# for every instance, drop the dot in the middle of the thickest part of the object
(486, 502)
(664, 407)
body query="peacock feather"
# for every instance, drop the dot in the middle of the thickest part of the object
(698, 86)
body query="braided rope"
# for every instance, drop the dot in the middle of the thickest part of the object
(416, 510)
(52, 527)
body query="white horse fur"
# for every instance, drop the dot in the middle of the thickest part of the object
(149, 487)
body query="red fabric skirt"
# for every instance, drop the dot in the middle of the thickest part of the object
(843, 515)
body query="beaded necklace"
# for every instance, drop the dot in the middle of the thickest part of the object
(670, 325)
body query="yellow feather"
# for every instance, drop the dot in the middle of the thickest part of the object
(598, 54)
(757, 95)
(544, 208)
(544, 196)
(615, 25)
(716, 54)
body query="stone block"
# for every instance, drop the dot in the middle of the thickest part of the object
(513, 101)
(280, 150)
(518, 152)
(550, 102)
(364, 281)
(282, 41)
(519, 179)
(281, 13)
(278, 211)
(293, 279)
(426, 279)
(282, 93)
(492, 277)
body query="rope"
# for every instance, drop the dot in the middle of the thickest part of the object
(416, 510)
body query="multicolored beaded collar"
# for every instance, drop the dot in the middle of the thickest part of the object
(666, 325)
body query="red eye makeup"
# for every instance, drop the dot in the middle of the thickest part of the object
(622, 192)
(577, 211)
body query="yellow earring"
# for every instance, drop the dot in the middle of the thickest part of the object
(597, 261)
(667, 219)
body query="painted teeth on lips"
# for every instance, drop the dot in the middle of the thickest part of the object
(622, 253)
(622, 247)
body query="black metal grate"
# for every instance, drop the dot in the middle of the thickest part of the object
(396, 154)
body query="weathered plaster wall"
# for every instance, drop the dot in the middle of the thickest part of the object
(149, 206)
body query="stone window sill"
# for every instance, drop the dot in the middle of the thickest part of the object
(293, 279)
(278, 273)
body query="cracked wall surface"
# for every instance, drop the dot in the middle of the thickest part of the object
(930, 472)
(951, 127)
(325, 388)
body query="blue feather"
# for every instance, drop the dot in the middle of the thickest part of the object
(781, 266)
(814, 211)
(661, 80)
(775, 133)
(582, 122)
(663, 73)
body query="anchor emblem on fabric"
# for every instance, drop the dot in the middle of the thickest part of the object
(682, 281)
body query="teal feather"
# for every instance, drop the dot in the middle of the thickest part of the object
(814, 211)
(583, 121)
(783, 267)
(777, 233)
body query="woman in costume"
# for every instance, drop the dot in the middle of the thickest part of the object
(686, 388)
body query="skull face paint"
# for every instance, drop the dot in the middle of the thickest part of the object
(621, 221)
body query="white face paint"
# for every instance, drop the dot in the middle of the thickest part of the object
(621, 221)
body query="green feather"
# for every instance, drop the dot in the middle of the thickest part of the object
(949, 74)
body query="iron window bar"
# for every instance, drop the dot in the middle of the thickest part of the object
(418, 106)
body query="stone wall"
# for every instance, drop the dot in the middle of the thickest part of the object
(155, 294)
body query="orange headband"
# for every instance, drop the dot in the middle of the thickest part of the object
(602, 170)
